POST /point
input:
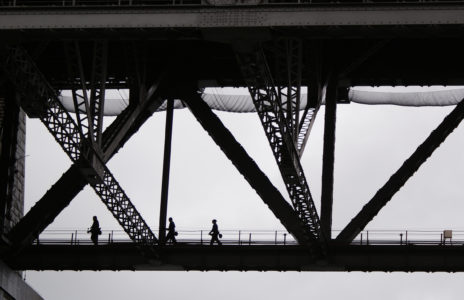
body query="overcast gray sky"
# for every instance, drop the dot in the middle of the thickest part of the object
(371, 143)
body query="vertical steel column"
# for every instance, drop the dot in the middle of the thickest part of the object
(8, 145)
(328, 158)
(166, 167)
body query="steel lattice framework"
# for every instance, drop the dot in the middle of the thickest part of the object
(148, 49)
(27, 77)
(307, 121)
(269, 108)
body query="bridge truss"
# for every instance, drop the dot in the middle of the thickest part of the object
(275, 60)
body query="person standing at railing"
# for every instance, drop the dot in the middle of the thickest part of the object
(214, 233)
(94, 230)
(171, 236)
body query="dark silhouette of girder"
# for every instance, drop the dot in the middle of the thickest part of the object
(47, 208)
(20, 67)
(279, 134)
(126, 256)
(249, 169)
(288, 56)
(328, 157)
(90, 107)
(314, 97)
(389, 54)
(399, 178)
(60, 195)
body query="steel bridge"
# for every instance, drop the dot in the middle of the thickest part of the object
(166, 50)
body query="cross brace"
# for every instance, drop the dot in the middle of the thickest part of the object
(72, 181)
(248, 168)
(399, 178)
(89, 110)
(19, 67)
(268, 105)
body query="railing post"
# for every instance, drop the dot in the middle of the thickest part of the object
(201, 237)
(249, 239)
(72, 238)
(367, 238)
(275, 238)
(401, 239)
(285, 238)
(361, 238)
(406, 238)
(239, 233)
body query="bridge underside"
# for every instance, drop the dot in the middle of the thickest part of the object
(404, 258)
(369, 43)
(274, 51)
(414, 60)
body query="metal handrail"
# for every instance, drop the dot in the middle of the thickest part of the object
(256, 237)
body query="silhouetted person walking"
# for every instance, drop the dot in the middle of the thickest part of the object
(214, 233)
(94, 230)
(171, 236)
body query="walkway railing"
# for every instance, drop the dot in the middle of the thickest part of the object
(259, 237)
(194, 237)
(409, 237)
(87, 3)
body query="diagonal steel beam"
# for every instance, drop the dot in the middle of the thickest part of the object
(314, 98)
(47, 209)
(71, 183)
(132, 118)
(309, 117)
(89, 109)
(265, 98)
(399, 178)
(60, 195)
(25, 75)
(249, 169)
(288, 53)
(98, 86)
(80, 96)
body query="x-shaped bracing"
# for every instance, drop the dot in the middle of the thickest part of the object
(268, 104)
(249, 169)
(25, 75)
(401, 176)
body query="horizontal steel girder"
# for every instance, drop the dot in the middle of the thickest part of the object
(20, 67)
(246, 166)
(399, 178)
(229, 17)
(406, 258)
